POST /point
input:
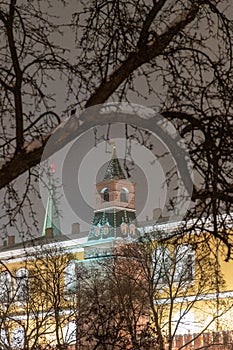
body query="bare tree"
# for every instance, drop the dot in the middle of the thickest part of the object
(180, 50)
(37, 308)
(53, 284)
(30, 60)
(111, 314)
(146, 293)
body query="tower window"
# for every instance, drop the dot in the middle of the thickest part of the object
(124, 195)
(105, 194)
(124, 228)
(132, 229)
(106, 229)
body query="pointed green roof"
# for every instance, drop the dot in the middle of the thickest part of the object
(52, 217)
(114, 170)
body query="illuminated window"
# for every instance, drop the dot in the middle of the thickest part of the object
(183, 263)
(70, 278)
(18, 338)
(97, 229)
(132, 229)
(4, 339)
(106, 229)
(69, 333)
(5, 286)
(124, 228)
(21, 284)
(162, 265)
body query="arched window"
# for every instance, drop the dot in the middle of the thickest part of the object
(18, 338)
(124, 195)
(106, 229)
(69, 333)
(5, 287)
(4, 338)
(132, 229)
(162, 265)
(70, 278)
(105, 194)
(183, 263)
(124, 228)
(97, 230)
(22, 284)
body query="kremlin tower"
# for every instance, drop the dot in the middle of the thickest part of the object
(115, 213)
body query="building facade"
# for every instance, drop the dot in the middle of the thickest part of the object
(43, 300)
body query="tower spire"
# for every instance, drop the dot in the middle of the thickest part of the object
(113, 143)
(114, 169)
(51, 219)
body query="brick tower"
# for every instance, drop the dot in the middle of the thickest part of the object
(115, 214)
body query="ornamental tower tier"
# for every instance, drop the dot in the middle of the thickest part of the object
(115, 214)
